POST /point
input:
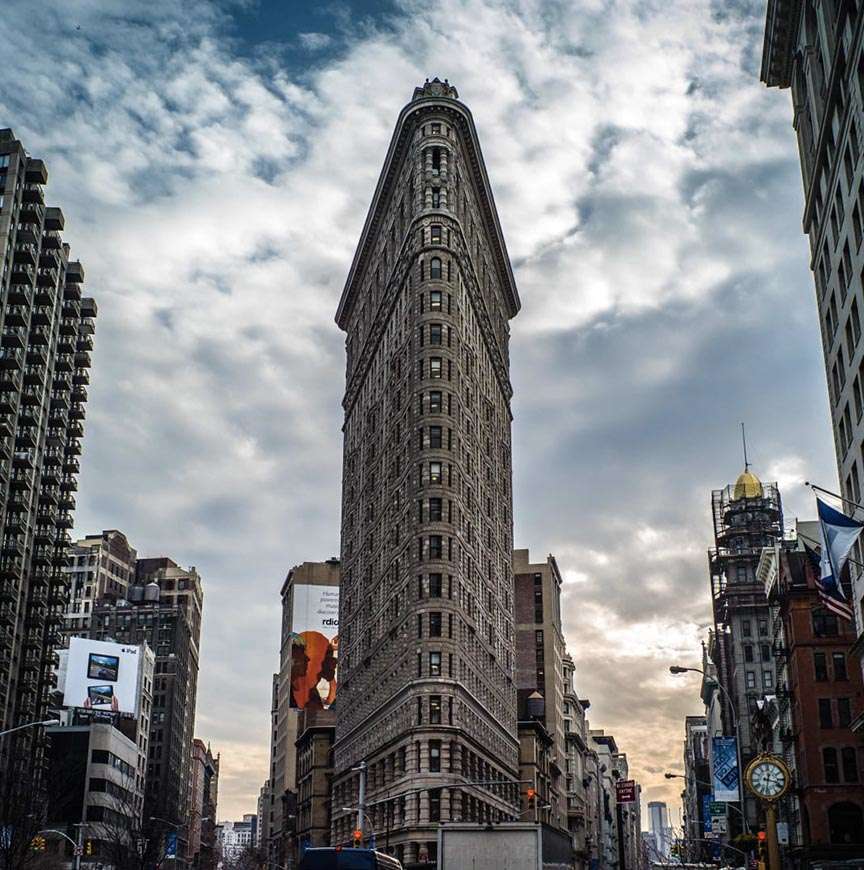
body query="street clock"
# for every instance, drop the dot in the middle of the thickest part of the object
(768, 777)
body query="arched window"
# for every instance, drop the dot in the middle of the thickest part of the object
(435, 267)
(846, 823)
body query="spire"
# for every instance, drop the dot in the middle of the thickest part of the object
(744, 442)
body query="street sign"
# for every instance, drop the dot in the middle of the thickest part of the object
(171, 844)
(718, 824)
(78, 851)
(625, 791)
(718, 808)
(783, 833)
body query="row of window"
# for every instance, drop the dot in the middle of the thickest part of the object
(435, 666)
(847, 763)
(838, 663)
(767, 679)
(827, 719)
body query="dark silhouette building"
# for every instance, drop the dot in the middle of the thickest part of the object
(47, 336)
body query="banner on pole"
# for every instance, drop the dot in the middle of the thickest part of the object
(724, 766)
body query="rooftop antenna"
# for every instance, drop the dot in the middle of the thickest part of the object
(744, 442)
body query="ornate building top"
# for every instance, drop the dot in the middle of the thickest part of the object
(435, 88)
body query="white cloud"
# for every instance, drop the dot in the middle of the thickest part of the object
(215, 201)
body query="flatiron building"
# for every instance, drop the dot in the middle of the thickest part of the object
(427, 694)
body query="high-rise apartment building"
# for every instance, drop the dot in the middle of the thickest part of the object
(816, 49)
(540, 655)
(282, 811)
(747, 517)
(427, 691)
(100, 568)
(45, 349)
(163, 607)
(203, 785)
(697, 785)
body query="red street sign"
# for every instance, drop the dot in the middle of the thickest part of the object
(625, 791)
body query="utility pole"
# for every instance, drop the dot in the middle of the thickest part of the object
(361, 797)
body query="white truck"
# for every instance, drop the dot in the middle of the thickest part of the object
(503, 846)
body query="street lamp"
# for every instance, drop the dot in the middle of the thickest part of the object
(176, 826)
(45, 724)
(677, 669)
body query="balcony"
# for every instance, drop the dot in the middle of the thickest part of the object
(64, 362)
(84, 345)
(21, 481)
(16, 315)
(31, 213)
(10, 567)
(44, 534)
(21, 294)
(23, 273)
(64, 520)
(14, 337)
(34, 374)
(51, 241)
(66, 343)
(75, 430)
(37, 356)
(10, 380)
(52, 456)
(81, 377)
(47, 278)
(67, 502)
(8, 615)
(56, 435)
(49, 495)
(59, 399)
(71, 465)
(76, 412)
(79, 393)
(43, 554)
(82, 360)
(49, 258)
(42, 314)
(33, 193)
(73, 448)
(25, 254)
(71, 292)
(26, 436)
(11, 358)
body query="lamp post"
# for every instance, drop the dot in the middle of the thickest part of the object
(677, 669)
(176, 826)
(43, 723)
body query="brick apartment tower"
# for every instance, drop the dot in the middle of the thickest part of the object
(45, 354)
(427, 694)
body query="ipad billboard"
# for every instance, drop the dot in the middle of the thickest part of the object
(102, 676)
(314, 646)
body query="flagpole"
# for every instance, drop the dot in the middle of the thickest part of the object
(819, 544)
(834, 494)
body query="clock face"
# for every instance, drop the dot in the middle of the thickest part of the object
(768, 779)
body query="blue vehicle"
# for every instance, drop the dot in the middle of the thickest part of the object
(347, 859)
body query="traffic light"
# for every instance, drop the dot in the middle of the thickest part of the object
(531, 794)
(357, 837)
(88, 847)
(37, 844)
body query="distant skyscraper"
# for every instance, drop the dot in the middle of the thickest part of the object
(658, 826)
(747, 517)
(46, 342)
(815, 49)
(426, 619)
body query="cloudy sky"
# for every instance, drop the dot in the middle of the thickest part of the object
(215, 160)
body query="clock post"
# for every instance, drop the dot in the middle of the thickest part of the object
(769, 778)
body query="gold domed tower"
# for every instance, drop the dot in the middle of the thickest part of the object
(748, 516)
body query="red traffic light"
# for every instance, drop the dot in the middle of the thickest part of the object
(762, 835)
(358, 835)
(531, 793)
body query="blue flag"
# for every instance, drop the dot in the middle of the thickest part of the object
(839, 534)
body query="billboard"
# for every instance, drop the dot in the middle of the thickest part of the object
(724, 769)
(314, 646)
(102, 676)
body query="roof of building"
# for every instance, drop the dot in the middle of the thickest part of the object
(747, 486)
(433, 94)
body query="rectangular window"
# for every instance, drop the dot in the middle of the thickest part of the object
(435, 548)
(826, 719)
(435, 402)
(435, 234)
(766, 652)
(435, 756)
(751, 679)
(746, 629)
(435, 584)
(435, 510)
(763, 628)
(435, 805)
(434, 472)
(435, 333)
(434, 664)
(767, 679)
(435, 433)
(850, 764)
(434, 709)
(434, 624)
(838, 659)
(434, 300)
(435, 367)
(824, 624)
(748, 652)
(829, 762)
(820, 666)
(844, 712)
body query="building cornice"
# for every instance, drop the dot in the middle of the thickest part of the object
(781, 33)
(405, 126)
